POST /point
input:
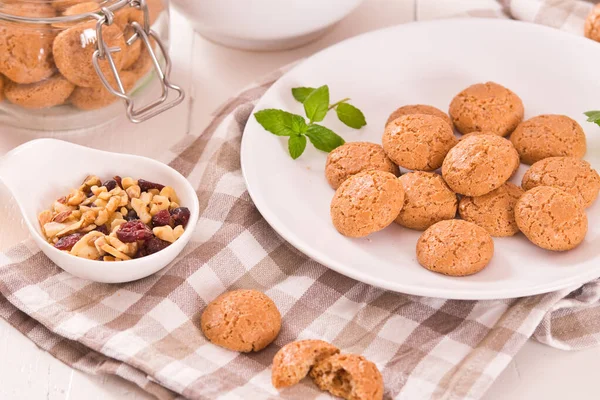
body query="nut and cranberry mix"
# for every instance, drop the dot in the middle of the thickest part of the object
(115, 220)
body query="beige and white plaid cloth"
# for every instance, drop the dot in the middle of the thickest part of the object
(148, 331)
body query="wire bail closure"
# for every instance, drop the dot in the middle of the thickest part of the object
(143, 33)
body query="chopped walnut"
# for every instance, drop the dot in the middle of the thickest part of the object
(169, 192)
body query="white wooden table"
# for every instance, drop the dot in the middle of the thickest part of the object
(210, 74)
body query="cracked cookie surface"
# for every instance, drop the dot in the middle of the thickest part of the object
(570, 174)
(294, 360)
(418, 141)
(50, 92)
(455, 248)
(354, 157)
(366, 202)
(241, 320)
(549, 136)
(479, 164)
(494, 211)
(427, 200)
(486, 107)
(419, 109)
(551, 218)
(349, 376)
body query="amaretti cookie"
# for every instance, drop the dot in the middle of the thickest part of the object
(26, 54)
(94, 98)
(419, 109)
(418, 141)
(549, 136)
(293, 361)
(354, 157)
(488, 107)
(74, 59)
(427, 200)
(241, 320)
(366, 203)
(455, 247)
(479, 164)
(494, 211)
(349, 376)
(551, 218)
(50, 92)
(570, 174)
(591, 28)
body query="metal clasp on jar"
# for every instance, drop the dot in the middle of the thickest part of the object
(143, 33)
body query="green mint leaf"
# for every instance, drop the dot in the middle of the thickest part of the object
(301, 93)
(322, 138)
(296, 145)
(350, 115)
(281, 123)
(593, 116)
(316, 104)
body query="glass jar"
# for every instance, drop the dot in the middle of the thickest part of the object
(65, 64)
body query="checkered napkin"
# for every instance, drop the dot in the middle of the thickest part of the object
(148, 331)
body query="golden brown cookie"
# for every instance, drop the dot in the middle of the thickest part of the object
(551, 218)
(144, 62)
(50, 92)
(354, 157)
(427, 200)
(418, 141)
(77, 9)
(479, 164)
(26, 52)
(241, 320)
(75, 61)
(486, 107)
(549, 136)
(366, 203)
(348, 376)
(570, 174)
(419, 109)
(455, 248)
(495, 211)
(293, 361)
(94, 98)
(591, 28)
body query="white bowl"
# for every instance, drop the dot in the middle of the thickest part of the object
(40, 171)
(264, 24)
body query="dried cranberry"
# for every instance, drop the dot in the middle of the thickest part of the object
(102, 229)
(181, 216)
(67, 242)
(110, 185)
(146, 185)
(162, 218)
(133, 231)
(118, 179)
(151, 246)
(131, 215)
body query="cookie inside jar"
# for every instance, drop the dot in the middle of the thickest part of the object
(49, 79)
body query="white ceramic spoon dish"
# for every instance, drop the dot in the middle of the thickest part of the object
(426, 63)
(40, 171)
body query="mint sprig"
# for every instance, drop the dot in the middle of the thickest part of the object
(593, 116)
(316, 106)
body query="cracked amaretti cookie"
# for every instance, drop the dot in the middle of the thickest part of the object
(479, 164)
(570, 174)
(293, 361)
(551, 218)
(366, 203)
(348, 376)
(419, 109)
(455, 248)
(427, 200)
(549, 136)
(418, 141)
(494, 211)
(354, 157)
(486, 107)
(241, 320)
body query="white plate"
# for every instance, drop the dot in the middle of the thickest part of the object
(553, 72)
